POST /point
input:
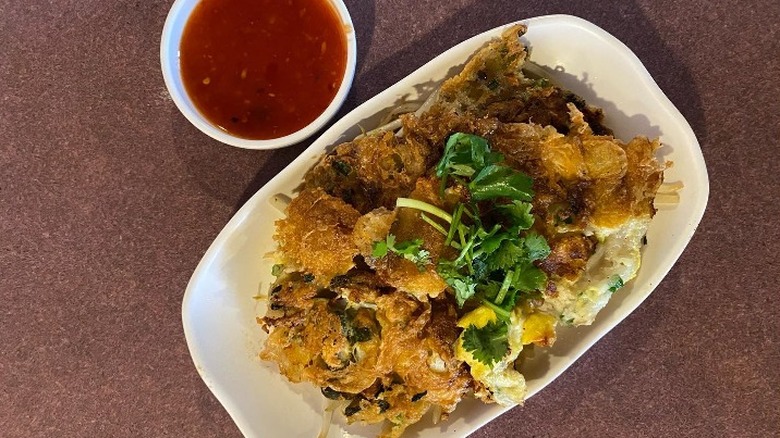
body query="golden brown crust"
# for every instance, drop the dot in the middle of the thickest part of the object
(492, 74)
(381, 331)
(568, 255)
(400, 366)
(315, 236)
(372, 227)
(403, 274)
(371, 171)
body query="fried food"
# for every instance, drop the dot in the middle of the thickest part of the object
(413, 273)
(372, 171)
(316, 235)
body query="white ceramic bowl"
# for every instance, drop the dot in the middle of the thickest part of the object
(218, 310)
(169, 59)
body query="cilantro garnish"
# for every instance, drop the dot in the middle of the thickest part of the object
(500, 254)
(488, 344)
(464, 155)
(529, 278)
(468, 155)
(496, 252)
(410, 250)
(463, 287)
(517, 215)
(535, 246)
(508, 254)
(496, 181)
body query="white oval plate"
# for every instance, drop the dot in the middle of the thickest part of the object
(218, 310)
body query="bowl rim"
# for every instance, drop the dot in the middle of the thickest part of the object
(170, 40)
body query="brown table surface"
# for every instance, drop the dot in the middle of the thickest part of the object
(109, 198)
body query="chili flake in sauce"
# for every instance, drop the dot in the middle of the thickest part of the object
(262, 69)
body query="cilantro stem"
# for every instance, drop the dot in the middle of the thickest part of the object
(434, 210)
(470, 214)
(505, 286)
(469, 265)
(464, 252)
(462, 236)
(479, 251)
(424, 206)
(475, 214)
(455, 223)
(433, 223)
(502, 313)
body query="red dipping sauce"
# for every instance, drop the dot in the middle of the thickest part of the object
(263, 69)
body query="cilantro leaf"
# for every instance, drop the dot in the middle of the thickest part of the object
(470, 156)
(380, 249)
(464, 289)
(488, 344)
(536, 246)
(466, 149)
(491, 243)
(529, 278)
(457, 155)
(464, 286)
(507, 256)
(410, 250)
(517, 214)
(490, 289)
(465, 155)
(496, 181)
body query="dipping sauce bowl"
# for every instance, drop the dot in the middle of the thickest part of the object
(258, 74)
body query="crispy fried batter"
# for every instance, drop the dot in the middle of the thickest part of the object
(403, 274)
(492, 85)
(492, 74)
(394, 359)
(644, 174)
(316, 234)
(308, 345)
(371, 171)
(372, 227)
(417, 347)
(381, 332)
(581, 177)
